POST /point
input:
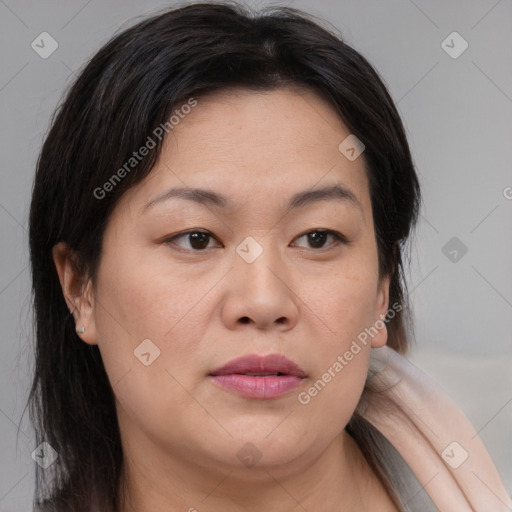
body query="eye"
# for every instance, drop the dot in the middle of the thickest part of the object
(318, 237)
(198, 240)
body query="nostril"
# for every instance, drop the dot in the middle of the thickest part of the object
(244, 319)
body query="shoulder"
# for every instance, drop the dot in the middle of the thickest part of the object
(431, 435)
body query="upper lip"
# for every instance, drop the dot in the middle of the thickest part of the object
(258, 364)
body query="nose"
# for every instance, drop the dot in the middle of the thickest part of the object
(261, 294)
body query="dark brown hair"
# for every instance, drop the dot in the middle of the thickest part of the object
(126, 91)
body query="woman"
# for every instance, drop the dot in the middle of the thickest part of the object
(217, 228)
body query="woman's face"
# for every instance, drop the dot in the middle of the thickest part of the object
(170, 308)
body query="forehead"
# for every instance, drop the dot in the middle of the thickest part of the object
(295, 118)
(246, 144)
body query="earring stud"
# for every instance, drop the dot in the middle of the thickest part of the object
(80, 330)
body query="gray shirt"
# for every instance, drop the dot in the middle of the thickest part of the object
(413, 495)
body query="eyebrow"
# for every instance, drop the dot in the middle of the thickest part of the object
(298, 200)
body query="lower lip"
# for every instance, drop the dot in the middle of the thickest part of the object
(259, 387)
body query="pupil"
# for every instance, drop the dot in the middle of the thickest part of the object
(200, 239)
(318, 237)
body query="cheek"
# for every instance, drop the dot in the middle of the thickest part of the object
(139, 302)
(148, 300)
(342, 356)
(338, 385)
(328, 404)
(344, 310)
(341, 300)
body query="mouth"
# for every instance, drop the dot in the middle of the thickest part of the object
(261, 377)
(268, 374)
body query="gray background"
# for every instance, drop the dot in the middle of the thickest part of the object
(458, 115)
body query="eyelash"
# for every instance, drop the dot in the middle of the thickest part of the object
(340, 239)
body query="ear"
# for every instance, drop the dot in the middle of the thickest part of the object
(381, 308)
(78, 297)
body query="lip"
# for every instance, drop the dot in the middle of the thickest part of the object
(276, 375)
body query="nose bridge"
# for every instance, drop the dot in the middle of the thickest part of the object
(259, 291)
(259, 261)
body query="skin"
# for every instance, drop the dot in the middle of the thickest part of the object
(180, 431)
